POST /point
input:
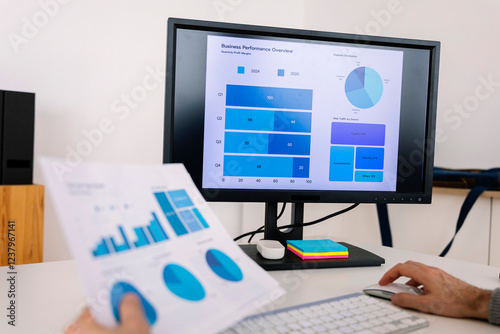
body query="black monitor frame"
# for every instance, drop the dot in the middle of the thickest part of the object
(415, 164)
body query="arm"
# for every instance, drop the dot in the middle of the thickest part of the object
(444, 294)
(131, 315)
(494, 312)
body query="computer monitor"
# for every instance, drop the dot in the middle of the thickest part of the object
(265, 114)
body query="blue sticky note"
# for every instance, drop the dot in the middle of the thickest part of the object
(317, 246)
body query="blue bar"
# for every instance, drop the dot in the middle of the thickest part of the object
(142, 239)
(369, 158)
(358, 134)
(202, 220)
(289, 144)
(190, 220)
(292, 121)
(122, 247)
(249, 119)
(267, 120)
(301, 167)
(266, 143)
(101, 249)
(180, 198)
(368, 176)
(268, 97)
(245, 142)
(156, 230)
(341, 163)
(170, 214)
(264, 166)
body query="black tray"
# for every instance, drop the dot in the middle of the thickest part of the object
(358, 257)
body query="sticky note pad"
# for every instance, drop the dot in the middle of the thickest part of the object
(317, 249)
(317, 246)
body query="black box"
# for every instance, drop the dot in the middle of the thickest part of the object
(17, 136)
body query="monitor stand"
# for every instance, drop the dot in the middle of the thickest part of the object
(358, 257)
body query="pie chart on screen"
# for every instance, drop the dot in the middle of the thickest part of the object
(364, 87)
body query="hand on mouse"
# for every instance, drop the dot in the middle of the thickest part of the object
(443, 293)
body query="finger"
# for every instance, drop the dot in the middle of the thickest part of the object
(407, 300)
(72, 329)
(132, 314)
(409, 269)
(393, 274)
(84, 324)
(85, 315)
(414, 283)
(75, 328)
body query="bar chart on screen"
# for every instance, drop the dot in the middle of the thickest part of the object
(267, 142)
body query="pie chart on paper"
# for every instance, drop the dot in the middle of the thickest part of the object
(364, 87)
(223, 266)
(183, 283)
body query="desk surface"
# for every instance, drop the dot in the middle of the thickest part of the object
(50, 295)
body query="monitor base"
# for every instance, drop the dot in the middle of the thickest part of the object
(358, 257)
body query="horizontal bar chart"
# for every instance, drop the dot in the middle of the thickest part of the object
(261, 138)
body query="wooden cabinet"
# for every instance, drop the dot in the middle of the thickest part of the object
(21, 229)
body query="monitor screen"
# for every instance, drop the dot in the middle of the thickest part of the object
(263, 114)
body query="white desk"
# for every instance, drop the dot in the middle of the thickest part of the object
(49, 295)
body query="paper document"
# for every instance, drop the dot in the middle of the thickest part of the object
(147, 229)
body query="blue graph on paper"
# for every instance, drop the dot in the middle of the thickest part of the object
(178, 209)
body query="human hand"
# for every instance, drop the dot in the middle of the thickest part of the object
(443, 294)
(132, 320)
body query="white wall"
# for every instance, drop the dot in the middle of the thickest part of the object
(98, 66)
(468, 114)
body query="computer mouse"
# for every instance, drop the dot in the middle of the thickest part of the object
(386, 291)
(270, 249)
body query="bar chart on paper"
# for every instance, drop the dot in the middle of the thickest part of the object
(177, 209)
(267, 131)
